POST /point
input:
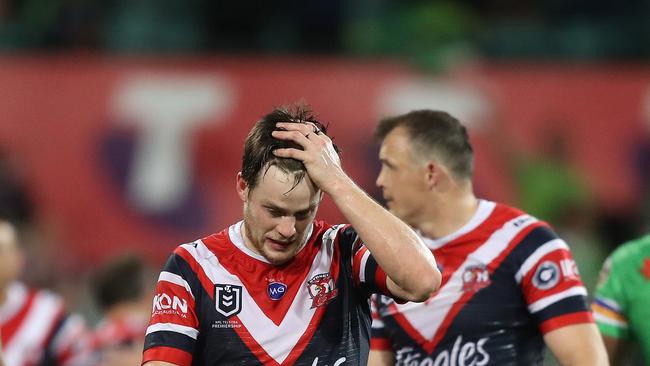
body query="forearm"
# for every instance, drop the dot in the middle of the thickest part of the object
(394, 245)
(577, 345)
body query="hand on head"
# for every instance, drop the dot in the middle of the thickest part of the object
(318, 153)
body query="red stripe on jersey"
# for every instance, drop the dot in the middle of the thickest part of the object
(450, 257)
(455, 309)
(380, 280)
(559, 257)
(566, 319)
(168, 354)
(260, 274)
(207, 284)
(11, 326)
(167, 310)
(260, 353)
(380, 344)
(406, 325)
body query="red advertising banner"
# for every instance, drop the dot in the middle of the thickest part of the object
(142, 153)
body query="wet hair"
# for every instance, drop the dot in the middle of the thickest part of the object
(259, 145)
(434, 134)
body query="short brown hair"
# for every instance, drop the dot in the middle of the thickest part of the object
(259, 145)
(434, 134)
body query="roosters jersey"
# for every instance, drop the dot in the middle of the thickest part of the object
(218, 303)
(36, 330)
(507, 279)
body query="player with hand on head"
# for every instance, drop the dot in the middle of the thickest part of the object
(279, 287)
(509, 284)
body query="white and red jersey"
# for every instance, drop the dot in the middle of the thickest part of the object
(36, 330)
(125, 332)
(507, 280)
(219, 303)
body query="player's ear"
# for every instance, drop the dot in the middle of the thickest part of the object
(432, 171)
(242, 187)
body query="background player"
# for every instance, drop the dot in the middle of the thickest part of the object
(279, 287)
(509, 283)
(122, 288)
(36, 328)
(623, 298)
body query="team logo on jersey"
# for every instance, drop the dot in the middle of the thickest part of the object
(227, 299)
(321, 289)
(475, 278)
(546, 276)
(276, 290)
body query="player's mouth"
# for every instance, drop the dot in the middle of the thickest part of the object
(278, 245)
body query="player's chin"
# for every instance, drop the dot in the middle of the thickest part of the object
(279, 256)
(278, 260)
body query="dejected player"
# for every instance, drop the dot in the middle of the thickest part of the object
(279, 288)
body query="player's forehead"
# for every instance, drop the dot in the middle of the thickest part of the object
(279, 189)
(396, 145)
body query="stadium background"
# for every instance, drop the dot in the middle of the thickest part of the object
(121, 122)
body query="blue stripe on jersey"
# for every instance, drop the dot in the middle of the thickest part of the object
(371, 268)
(166, 339)
(606, 305)
(533, 240)
(569, 305)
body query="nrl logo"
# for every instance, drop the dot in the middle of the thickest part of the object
(227, 299)
(321, 289)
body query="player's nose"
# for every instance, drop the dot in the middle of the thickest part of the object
(287, 226)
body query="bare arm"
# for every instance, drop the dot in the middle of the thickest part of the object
(381, 358)
(577, 345)
(409, 264)
(617, 349)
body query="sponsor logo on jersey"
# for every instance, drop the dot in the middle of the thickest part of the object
(546, 276)
(276, 290)
(475, 278)
(165, 304)
(321, 289)
(460, 354)
(227, 299)
(338, 362)
(569, 269)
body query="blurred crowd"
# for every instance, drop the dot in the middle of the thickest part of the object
(428, 32)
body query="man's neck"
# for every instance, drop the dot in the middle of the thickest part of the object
(447, 215)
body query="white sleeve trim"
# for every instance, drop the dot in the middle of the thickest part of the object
(362, 269)
(171, 327)
(175, 279)
(599, 318)
(548, 300)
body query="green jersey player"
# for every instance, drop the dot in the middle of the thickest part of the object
(622, 301)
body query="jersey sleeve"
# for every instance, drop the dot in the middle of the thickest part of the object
(550, 281)
(174, 327)
(366, 273)
(379, 338)
(609, 303)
